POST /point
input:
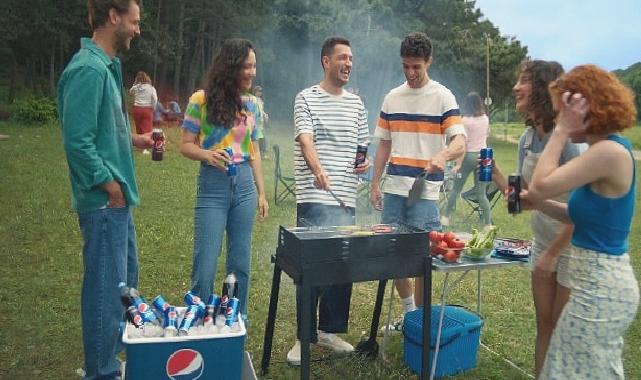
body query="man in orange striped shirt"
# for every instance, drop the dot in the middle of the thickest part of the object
(416, 120)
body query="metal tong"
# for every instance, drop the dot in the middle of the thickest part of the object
(340, 201)
(417, 189)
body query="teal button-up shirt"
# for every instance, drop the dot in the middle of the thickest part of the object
(95, 128)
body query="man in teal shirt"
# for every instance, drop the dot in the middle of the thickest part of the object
(98, 144)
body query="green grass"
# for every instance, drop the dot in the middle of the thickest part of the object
(42, 268)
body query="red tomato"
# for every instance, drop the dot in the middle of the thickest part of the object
(450, 257)
(449, 236)
(435, 236)
(456, 243)
(439, 248)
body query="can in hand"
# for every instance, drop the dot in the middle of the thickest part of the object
(231, 167)
(486, 165)
(361, 155)
(514, 193)
(159, 144)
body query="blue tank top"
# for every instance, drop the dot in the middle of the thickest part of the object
(603, 224)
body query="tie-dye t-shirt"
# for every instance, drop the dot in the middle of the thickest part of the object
(212, 137)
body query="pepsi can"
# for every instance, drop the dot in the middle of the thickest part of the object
(145, 311)
(189, 320)
(486, 165)
(213, 303)
(361, 155)
(231, 168)
(231, 314)
(192, 299)
(514, 193)
(160, 304)
(171, 321)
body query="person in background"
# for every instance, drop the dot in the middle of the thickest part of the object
(593, 107)
(415, 120)
(218, 118)
(173, 112)
(330, 123)
(549, 257)
(98, 145)
(145, 99)
(262, 140)
(477, 126)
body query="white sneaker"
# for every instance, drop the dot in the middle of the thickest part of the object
(445, 221)
(293, 356)
(394, 327)
(146, 151)
(334, 342)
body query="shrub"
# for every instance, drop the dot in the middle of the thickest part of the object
(34, 110)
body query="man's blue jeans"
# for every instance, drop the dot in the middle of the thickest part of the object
(223, 203)
(332, 301)
(423, 214)
(109, 257)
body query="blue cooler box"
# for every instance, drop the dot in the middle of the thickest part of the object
(214, 356)
(460, 339)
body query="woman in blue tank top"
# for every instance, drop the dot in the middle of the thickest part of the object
(592, 106)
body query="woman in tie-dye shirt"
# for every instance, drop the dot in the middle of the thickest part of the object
(218, 130)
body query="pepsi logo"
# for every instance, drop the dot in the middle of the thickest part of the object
(143, 307)
(172, 315)
(185, 364)
(486, 162)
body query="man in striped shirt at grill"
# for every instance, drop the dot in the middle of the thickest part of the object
(330, 124)
(417, 119)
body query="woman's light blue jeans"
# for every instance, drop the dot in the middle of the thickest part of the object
(109, 257)
(223, 204)
(470, 165)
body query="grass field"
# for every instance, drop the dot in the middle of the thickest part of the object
(513, 131)
(41, 272)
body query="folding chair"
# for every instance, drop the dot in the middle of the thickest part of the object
(286, 182)
(469, 196)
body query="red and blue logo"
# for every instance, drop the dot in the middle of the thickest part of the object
(185, 364)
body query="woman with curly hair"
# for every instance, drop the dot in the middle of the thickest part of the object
(550, 237)
(593, 107)
(219, 131)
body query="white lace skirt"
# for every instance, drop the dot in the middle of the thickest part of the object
(587, 342)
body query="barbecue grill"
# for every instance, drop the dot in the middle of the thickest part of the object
(317, 256)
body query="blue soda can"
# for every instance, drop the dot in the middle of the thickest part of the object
(213, 303)
(171, 318)
(231, 168)
(487, 163)
(189, 320)
(145, 311)
(160, 304)
(231, 314)
(192, 299)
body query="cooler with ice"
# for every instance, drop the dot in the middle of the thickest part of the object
(207, 356)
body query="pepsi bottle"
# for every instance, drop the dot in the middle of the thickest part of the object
(231, 167)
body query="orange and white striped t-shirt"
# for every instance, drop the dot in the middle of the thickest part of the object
(417, 121)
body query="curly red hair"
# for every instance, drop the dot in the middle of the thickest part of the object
(611, 102)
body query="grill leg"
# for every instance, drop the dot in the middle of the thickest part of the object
(306, 320)
(271, 320)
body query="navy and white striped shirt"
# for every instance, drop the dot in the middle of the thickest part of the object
(338, 123)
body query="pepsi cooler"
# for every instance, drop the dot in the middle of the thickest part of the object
(213, 356)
